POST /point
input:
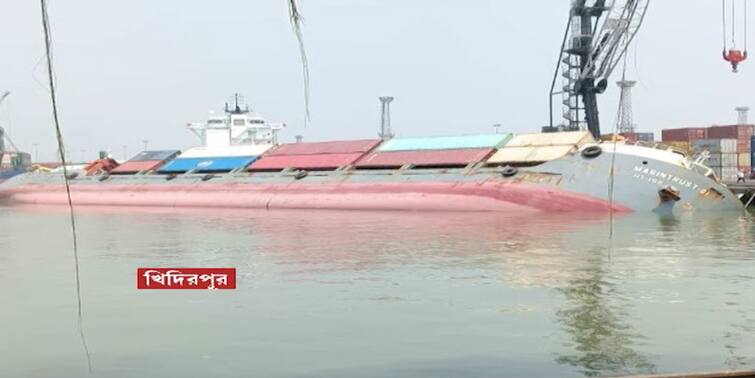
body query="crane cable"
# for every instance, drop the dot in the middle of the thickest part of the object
(723, 17)
(612, 173)
(296, 20)
(734, 23)
(745, 22)
(61, 150)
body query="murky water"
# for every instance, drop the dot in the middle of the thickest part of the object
(334, 294)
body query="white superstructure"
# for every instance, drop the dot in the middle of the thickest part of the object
(239, 126)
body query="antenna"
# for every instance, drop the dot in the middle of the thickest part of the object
(625, 121)
(385, 118)
(237, 105)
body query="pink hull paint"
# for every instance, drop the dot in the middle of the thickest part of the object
(427, 196)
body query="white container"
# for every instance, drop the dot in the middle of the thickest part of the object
(725, 146)
(530, 154)
(744, 160)
(728, 174)
(722, 160)
(571, 138)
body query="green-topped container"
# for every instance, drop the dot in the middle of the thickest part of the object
(445, 143)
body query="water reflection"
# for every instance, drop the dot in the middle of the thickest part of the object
(491, 293)
(593, 314)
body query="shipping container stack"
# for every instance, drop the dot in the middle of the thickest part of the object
(723, 156)
(735, 139)
(457, 151)
(681, 139)
(317, 156)
(743, 134)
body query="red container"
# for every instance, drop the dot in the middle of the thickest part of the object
(137, 166)
(337, 147)
(688, 134)
(742, 133)
(631, 137)
(730, 132)
(313, 162)
(436, 158)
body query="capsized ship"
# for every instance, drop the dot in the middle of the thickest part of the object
(240, 165)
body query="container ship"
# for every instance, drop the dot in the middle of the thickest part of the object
(240, 165)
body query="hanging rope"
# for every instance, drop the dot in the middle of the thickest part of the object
(296, 23)
(61, 150)
(733, 24)
(745, 21)
(723, 14)
(612, 173)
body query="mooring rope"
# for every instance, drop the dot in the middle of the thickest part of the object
(612, 173)
(296, 20)
(61, 150)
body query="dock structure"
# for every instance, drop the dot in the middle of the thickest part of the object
(747, 189)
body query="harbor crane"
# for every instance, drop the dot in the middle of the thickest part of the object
(4, 137)
(598, 34)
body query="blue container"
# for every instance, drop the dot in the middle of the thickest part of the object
(4, 175)
(445, 143)
(208, 164)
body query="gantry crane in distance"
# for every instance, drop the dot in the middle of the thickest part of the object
(2, 131)
(3, 136)
(598, 34)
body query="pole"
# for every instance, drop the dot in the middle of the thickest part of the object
(752, 198)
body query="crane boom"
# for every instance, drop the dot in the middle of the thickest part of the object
(597, 37)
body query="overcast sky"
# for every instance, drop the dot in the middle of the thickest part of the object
(141, 69)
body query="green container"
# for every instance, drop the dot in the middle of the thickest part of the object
(445, 143)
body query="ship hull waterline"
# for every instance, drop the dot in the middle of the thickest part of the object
(423, 196)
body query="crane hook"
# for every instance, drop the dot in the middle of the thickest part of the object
(734, 55)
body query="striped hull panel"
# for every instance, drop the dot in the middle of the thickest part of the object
(420, 196)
